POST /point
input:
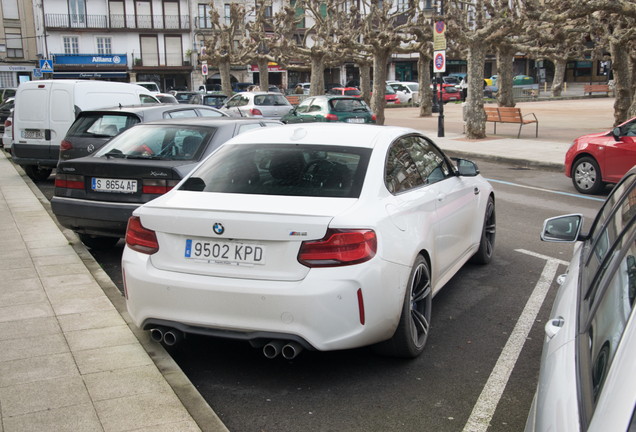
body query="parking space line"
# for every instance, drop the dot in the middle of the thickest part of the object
(547, 190)
(484, 409)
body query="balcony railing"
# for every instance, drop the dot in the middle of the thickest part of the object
(157, 22)
(159, 60)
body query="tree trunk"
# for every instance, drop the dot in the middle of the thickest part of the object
(632, 68)
(559, 73)
(378, 99)
(505, 96)
(475, 114)
(365, 82)
(622, 82)
(424, 79)
(263, 74)
(317, 86)
(224, 71)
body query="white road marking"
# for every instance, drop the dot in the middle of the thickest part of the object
(484, 409)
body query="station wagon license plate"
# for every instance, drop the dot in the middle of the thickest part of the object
(114, 185)
(355, 120)
(225, 252)
(32, 134)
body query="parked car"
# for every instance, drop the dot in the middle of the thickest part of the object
(408, 92)
(257, 104)
(92, 129)
(320, 236)
(458, 76)
(587, 380)
(241, 87)
(7, 92)
(274, 89)
(330, 86)
(6, 109)
(330, 108)
(151, 86)
(594, 160)
(390, 96)
(211, 99)
(492, 81)
(305, 86)
(449, 93)
(96, 195)
(208, 88)
(46, 109)
(345, 91)
(183, 97)
(166, 98)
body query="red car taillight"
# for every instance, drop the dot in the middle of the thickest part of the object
(339, 248)
(69, 181)
(7, 122)
(255, 111)
(373, 118)
(65, 146)
(158, 187)
(139, 238)
(331, 117)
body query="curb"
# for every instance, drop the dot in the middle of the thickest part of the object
(524, 163)
(197, 407)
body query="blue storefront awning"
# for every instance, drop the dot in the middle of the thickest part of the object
(90, 59)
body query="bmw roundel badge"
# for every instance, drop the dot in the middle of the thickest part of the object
(218, 228)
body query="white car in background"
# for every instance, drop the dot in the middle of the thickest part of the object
(319, 236)
(7, 136)
(587, 380)
(408, 92)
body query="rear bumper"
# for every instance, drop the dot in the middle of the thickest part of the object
(323, 309)
(36, 154)
(93, 217)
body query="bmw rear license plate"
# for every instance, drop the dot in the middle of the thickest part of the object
(355, 120)
(225, 252)
(114, 185)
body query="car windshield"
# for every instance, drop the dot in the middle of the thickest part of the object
(278, 169)
(348, 105)
(354, 92)
(158, 142)
(101, 125)
(389, 89)
(270, 100)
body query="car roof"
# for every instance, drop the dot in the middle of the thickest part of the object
(339, 97)
(209, 121)
(337, 134)
(145, 108)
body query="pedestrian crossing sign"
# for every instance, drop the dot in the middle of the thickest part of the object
(46, 66)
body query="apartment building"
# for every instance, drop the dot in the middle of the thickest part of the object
(18, 51)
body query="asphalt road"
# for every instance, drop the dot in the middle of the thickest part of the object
(474, 320)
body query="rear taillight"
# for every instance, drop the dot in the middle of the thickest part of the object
(397, 101)
(69, 181)
(339, 248)
(139, 238)
(158, 187)
(373, 117)
(331, 117)
(65, 146)
(7, 122)
(255, 111)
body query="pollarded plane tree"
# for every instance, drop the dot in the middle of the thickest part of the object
(423, 32)
(479, 26)
(223, 48)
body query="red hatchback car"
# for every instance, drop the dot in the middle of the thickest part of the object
(596, 159)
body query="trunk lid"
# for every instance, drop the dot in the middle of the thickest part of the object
(238, 236)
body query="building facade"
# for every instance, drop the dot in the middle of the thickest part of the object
(18, 52)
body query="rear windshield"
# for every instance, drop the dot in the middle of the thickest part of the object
(348, 105)
(101, 125)
(278, 169)
(184, 96)
(270, 100)
(214, 100)
(158, 142)
(352, 92)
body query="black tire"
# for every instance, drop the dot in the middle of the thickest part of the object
(37, 173)
(487, 243)
(98, 242)
(412, 331)
(586, 176)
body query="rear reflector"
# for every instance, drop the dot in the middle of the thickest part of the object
(69, 181)
(139, 238)
(361, 306)
(339, 248)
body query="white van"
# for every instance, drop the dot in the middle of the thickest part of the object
(44, 111)
(151, 86)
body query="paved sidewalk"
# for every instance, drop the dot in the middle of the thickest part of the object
(70, 359)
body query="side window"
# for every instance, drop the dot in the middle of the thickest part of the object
(246, 127)
(209, 113)
(611, 305)
(429, 161)
(400, 172)
(243, 101)
(234, 101)
(303, 106)
(147, 99)
(180, 114)
(629, 129)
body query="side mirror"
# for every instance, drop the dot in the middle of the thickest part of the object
(616, 133)
(563, 229)
(467, 168)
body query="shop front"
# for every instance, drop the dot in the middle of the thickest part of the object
(105, 67)
(276, 75)
(13, 75)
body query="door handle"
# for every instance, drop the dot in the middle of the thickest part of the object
(441, 197)
(476, 191)
(553, 326)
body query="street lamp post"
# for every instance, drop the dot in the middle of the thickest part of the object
(440, 118)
